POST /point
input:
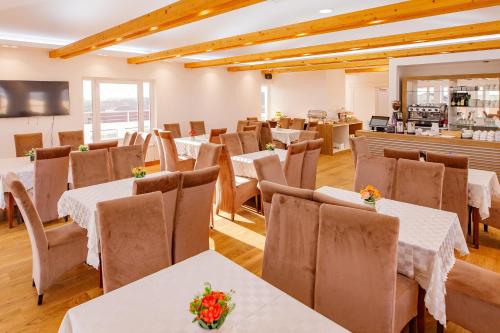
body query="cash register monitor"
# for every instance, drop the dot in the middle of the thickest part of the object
(378, 122)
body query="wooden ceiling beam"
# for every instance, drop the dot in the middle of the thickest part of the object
(471, 30)
(367, 70)
(174, 15)
(322, 67)
(411, 52)
(401, 11)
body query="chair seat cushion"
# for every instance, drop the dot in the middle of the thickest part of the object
(241, 181)
(406, 301)
(246, 188)
(65, 234)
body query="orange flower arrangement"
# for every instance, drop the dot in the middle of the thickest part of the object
(370, 194)
(211, 308)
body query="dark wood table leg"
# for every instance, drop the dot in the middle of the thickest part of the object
(421, 310)
(475, 227)
(10, 210)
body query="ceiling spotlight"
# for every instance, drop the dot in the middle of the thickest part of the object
(306, 54)
(376, 21)
(177, 55)
(301, 34)
(119, 39)
(236, 62)
(355, 48)
(209, 50)
(204, 12)
(325, 11)
(248, 43)
(93, 47)
(267, 59)
(420, 41)
(153, 28)
(444, 52)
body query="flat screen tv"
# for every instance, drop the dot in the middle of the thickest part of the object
(33, 98)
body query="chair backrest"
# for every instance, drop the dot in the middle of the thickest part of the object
(143, 140)
(359, 147)
(71, 138)
(226, 183)
(298, 123)
(161, 150)
(357, 268)
(377, 171)
(192, 226)
(197, 127)
(409, 154)
(103, 145)
(284, 122)
(325, 198)
(241, 124)
(169, 151)
(252, 119)
(249, 128)
(129, 138)
(249, 142)
(89, 167)
(312, 126)
(419, 183)
(265, 135)
(208, 156)
(310, 165)
(175, 128)
(293, 163)
(308, 135)
(51, 180)
(36, 233)
(290, 249)
(168, 185)
(272, 123)
(215, 134)
(455, 185)
(133, 237)
(269, 168)
(25, 142)
(232, 143)
(124, 159)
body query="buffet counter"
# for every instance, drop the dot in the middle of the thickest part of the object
(483, 155)
(336, 136)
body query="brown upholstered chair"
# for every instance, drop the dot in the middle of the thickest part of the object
(25, 142)
(143, 140)
(161, 150)
(359, 147)
(129, 138)
(310, 165)
(272, 123)
(55, 250)
(284, 122)
(294, 162)
(192, 224)
(325, 198)
(103, 145)
(419, 183)
(90, 167)
(312, 126)
(51, 180)
(208, 156)
(249, 142)
(168, 185)
(134, 239)
(233, 143)
(409, 154)
(308, 135)
(175, 128)
(197, 127)
(241, 124)
(174, 162)
(298, 123)
(357, 284)
(232, 191)
(266, 136)
(377, 171)
(124, 159)
(473, 298)
(215, 135)
(455, 185)
(252, 119)
(291, 242)
(71, 138)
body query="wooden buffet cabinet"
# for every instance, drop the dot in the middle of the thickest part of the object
(336, 136)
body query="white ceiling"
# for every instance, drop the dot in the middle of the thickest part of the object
(50, 23)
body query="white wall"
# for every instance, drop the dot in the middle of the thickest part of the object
(361, 93)
(214, 95)
(294, 94)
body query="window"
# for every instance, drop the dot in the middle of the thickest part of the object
(264, 102)
(113, 107)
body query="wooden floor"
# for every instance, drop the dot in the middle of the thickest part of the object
(241, 241)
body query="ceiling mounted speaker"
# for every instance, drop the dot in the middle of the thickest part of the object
(268, 76)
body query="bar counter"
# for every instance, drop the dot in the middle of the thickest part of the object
(483, 155)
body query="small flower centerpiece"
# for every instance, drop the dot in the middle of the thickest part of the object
(139, 172)
(211, 308)
(31, 153)
(83, 148)
(370, 195)
(192, 134)
(270, 147)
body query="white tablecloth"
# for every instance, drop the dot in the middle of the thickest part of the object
(483, 185)
(427, 239)
(190, 146)
(243, 164)
(23, 168)
(81, 205)
(160, 303)
(285, 135)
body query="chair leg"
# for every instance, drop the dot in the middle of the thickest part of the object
(256, 198)
(66, 218)
(40, 299)
(212, 217)
(421, 310)
(412, 325)
(232, 216)
(469, 221)
(485, 227)
(33, 283)
(475, 227)
(439, 328)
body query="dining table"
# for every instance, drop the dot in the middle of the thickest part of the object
(81, 205)
(427, 241)
(243, 164)
(190, 146)
(159, 303)
(285, 135)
